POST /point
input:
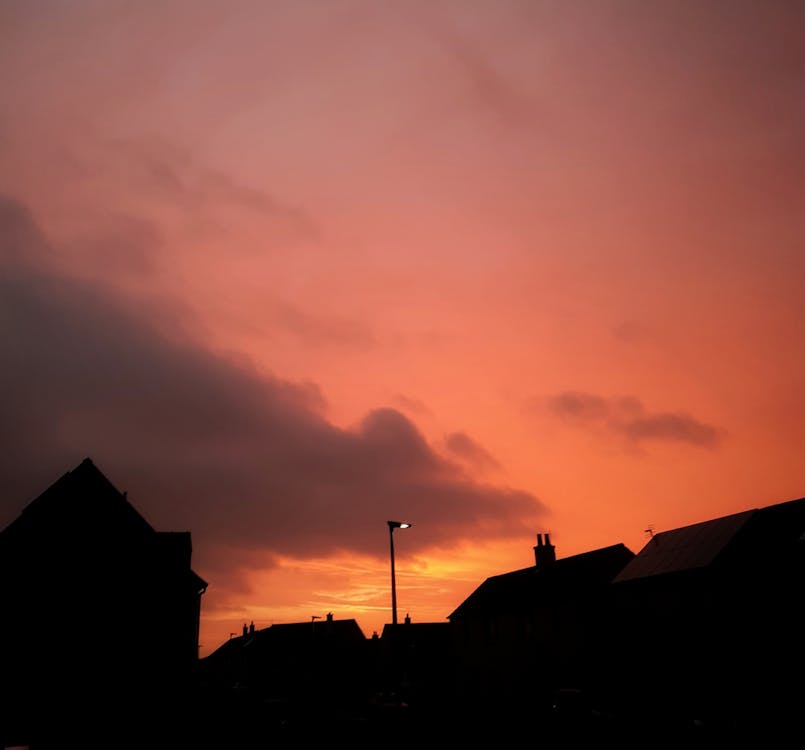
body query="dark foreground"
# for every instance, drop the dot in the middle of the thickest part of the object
(237, 720)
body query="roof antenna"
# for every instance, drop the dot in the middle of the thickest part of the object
(649, 531)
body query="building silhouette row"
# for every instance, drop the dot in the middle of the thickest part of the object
(700, 631)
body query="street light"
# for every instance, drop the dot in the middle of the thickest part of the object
(394, 525)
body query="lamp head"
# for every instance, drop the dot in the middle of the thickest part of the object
(398, 525)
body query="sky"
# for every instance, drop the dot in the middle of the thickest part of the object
(288, 270)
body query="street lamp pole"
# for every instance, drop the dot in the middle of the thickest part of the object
(394, 525)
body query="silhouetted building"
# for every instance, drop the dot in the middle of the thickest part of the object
(100, 614)
(295, 672)
(710, 622)
(521, 635)
(414, 664)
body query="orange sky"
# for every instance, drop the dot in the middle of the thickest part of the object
(287, 270)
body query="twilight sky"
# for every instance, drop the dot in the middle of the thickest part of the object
(287, 270)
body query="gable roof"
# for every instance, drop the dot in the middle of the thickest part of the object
(748, 537)
(529, 586)
(231, 648)
(80, 499)
(84, 505)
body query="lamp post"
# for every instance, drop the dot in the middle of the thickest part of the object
(394, 525)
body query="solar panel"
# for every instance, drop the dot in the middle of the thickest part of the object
(685, 548)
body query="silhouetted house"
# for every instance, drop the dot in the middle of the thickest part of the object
(414, 663)
(521, 635)
(711, 620)
(100, 612)
(318, 665)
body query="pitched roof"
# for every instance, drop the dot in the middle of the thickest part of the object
(231, 648)
(685, 548)
(289, 636)
(528, 586)
(81, 498)
(748, 536)
(83, 504)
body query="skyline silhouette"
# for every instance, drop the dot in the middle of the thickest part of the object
(557, 647)
(287, 272)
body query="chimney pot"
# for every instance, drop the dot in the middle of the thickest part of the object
(544, 554)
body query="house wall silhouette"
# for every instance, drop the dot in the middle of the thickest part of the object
(414, 663)
(100, 611)
(522, 635)
(299, 680)
(700, 632)
(710, 620)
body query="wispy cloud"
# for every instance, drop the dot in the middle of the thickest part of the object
(485, 84)
(627, 417)
(158, 169)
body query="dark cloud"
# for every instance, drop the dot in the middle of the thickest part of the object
(667, 426)
(578, 405)
(627, 417)
(246, 462)
(22, 246)
(464, 447)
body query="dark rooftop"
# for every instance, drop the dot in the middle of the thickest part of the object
(685, 548)
(750, 537)
(564, 577)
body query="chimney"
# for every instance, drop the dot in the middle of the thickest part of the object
(407, 619)
(245, 629)
(544, 552)
(251, 626)
(329, 617)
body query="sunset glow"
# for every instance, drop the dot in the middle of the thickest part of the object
(286, 270)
